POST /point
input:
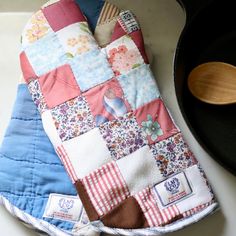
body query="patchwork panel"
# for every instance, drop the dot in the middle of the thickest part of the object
(123, 136)
(173, 155)
(139, 86)
(107, 102)
(37, 96)
(139, 170)
(59, 86)
(68, 9)
(155, 121)
(73, 118)
(46, 54)
(36, 28)
(123, 55)
(154, 215)
(76, 39)
(91, 69)
(85, 159)
(106, 188)
(27, 70)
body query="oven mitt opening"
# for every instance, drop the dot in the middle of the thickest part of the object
(103, 112)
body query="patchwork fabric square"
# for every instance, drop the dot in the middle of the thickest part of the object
(91, 69)
(76, 39)
(106, 188)
(139, 170)
(124, 55)
(73, 118)
(27, 70)
(123, 136)
(155, 121)
(173, 155)
(59, 86)
(68, 9)
(139, 86)
(107, 102)
(82, 157)
(37, 96)
(36, 28)
(46, 54)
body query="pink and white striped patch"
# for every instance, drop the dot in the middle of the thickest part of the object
(154, 215)
(106, 188)
(61, 152)
(196, 209)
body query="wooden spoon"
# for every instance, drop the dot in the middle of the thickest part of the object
(214, 83)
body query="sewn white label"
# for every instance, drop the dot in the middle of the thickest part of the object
(63, 207)
(173, 189)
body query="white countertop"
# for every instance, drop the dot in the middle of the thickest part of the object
(162, 22)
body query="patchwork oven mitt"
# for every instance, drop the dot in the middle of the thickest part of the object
(36, 189)
(102, 110)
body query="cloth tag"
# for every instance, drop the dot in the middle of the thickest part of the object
(128, 22)
(173, 189)
(63, 207)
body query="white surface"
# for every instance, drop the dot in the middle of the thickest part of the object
(162, 21)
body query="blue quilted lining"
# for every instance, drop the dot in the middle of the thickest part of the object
(29, 168)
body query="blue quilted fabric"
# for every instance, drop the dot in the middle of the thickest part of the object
(31, 170)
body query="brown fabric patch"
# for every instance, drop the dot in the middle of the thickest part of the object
(84, 197)
(128, 215)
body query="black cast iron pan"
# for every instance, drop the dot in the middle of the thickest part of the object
(209, 35)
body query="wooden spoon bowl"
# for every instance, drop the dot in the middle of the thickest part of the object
(214, 83)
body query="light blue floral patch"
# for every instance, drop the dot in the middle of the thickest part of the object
(46, 54)
(139, 86)
(91, 69)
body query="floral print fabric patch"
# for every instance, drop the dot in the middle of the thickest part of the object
(76, 39)
(173, 155)
(37, 96)
(124, 55)
(36, 28)
(123, 136)
(73, 118)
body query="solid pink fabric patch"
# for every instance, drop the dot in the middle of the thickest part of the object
(62, 14)
(107, 102)
(137, 37)
(27, 69)
(155, 121)
(59, 86)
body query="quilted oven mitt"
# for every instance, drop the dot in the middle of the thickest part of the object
(103, 112)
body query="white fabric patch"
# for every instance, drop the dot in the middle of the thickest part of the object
(201, 192)
(139, 170)
(173, 189)
(63, 207)
(87, 152)
(192, 181)
(76, 39)
(50, 128)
